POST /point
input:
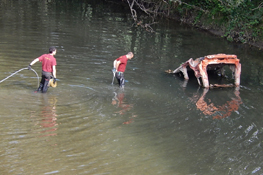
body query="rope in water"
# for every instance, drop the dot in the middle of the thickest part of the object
(19, 71)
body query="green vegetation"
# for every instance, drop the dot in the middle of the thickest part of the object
(240, 20)
(237, 20)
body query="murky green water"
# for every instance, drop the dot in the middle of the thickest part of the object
(158, 124)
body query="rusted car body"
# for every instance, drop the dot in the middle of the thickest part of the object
(211, 62)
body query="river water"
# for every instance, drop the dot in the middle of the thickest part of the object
(159, 124)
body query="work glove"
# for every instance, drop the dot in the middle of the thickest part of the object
(29, 67)
(54, 80)
(114, 70)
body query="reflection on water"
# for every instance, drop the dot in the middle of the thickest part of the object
(123, 107)
(209, 107)
(218, 112)
(46, 117)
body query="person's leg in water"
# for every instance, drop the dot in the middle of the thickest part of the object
(46, 81)
(40, 88)
(120, 77)
(43, 86)
(117, 75)
(122, 81)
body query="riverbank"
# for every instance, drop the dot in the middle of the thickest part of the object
(220, 30)
(235, 21)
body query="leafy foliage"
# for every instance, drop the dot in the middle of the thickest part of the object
(240, 20)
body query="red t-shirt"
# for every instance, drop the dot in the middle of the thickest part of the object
(122, 66)
(48, 61)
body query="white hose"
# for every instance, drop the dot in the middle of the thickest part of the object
(19, 71)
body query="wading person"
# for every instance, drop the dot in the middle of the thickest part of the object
(48, 68)
(119, 66)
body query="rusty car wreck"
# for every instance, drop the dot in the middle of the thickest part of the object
(211, 62)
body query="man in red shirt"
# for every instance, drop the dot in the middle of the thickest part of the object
(48, 68)
(119, 66)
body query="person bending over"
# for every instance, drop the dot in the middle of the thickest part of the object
(119, 66)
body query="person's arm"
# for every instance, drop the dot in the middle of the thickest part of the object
(117, 65)
(114, 64)
(32, 63)
(54, 72)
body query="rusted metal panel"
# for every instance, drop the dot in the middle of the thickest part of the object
(200, 66)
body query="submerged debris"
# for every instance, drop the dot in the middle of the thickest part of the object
(211, 62)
